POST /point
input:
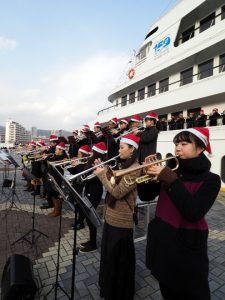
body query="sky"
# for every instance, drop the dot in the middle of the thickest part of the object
(59, 60)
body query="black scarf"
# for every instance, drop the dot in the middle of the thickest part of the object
(194, 168)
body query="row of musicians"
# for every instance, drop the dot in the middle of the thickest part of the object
(176, 250)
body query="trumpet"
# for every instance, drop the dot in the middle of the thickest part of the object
(69, 161)
(131, 130)
(41, 156)
(145, 178)
(83, 174)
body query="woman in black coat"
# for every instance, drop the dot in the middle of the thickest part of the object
(176, 250)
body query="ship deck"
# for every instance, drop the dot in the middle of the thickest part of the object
(15, 222)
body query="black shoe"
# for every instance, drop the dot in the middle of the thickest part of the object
(36, 193)
(45, 206)
(79, 226)
(84, 245)
(88, 249)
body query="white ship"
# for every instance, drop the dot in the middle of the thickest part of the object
(180, 67)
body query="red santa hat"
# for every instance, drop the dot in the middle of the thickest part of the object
(32, 143)
(151, 115)
(97, 124)
(85, 128)
(130, 139)
(124, 120)
(53, 137)
(114, 120)
(85, 149)
(61, 146)
(100, 148)
(135, 118)
(203, 134)
(41, 143)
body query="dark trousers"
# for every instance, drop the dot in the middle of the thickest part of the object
(201, 293)
(94, 197)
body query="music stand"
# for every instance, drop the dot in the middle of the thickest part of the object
(90, 213)
(7, 160)
(32, 230)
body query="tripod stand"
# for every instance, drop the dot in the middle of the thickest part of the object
(32, 230)
(56, 285)
(12, 195)
(84, 204)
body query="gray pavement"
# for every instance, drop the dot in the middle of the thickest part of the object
(44, 254)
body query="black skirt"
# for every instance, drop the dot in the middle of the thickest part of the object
(117, 264)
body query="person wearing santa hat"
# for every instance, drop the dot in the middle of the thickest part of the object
(53, 196)
(117, 249)
(111, 132)
(135, 124)
(124, 126)
(98, 132)
(77, 166)
(93, 190)
(176, 250)
(148, 137)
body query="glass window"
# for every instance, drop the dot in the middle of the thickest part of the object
(205, 69)
(151, 90)
(223, 13)
(141, 94)
(132, 98)
(124, 101)
(207, 22)
(186, 76)
(188, 34)
(164, 85)
(222, 63)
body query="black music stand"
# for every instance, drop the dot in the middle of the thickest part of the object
(32, 231)
(90, 213)
(9, 160)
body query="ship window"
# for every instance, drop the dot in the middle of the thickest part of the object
(188, 34)
(124, 101)
(223, 13)
(132, 97)
(222, 63)
(164, 85)
(205, 69)
(186, 76)
(151, 90)
(151, 32)
(207, 22)
(141, 94)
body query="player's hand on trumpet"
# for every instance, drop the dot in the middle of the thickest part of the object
(154, 168)
(99, 169)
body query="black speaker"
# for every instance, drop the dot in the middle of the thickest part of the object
(17, 279)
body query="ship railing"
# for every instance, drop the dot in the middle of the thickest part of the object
(164, 88)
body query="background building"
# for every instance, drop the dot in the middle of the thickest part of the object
(16, 133)
(34, 132)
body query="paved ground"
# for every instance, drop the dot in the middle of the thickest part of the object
(14, 223)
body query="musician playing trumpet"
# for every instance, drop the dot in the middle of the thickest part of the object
(176, 250)
(117, 250)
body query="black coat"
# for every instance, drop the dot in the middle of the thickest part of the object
(177, 255)
(148, 143)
